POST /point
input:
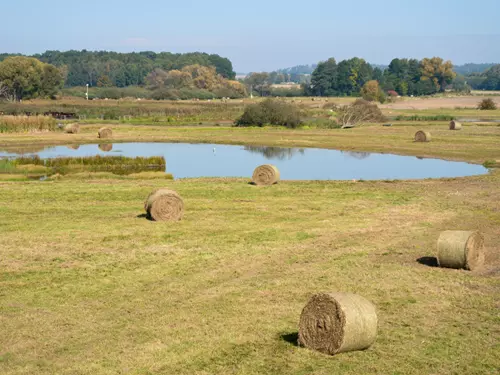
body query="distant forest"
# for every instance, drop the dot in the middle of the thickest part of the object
(124, 69)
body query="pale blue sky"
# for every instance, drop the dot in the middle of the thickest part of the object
(260, 35)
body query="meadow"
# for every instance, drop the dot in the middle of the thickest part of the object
(88, 285)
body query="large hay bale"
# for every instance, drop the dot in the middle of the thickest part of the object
(266, 175)
(460, 250)
(164, 205)
(105, 133)
(106, 147)
(455, 125)
(72, 128)
(422, 136)
(338, 322)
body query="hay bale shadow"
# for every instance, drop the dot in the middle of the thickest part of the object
(144, 216)
(428, 261)
(291, 338)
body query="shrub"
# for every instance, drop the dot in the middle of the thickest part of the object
(359, 112)
(272, 112)
(487, 104)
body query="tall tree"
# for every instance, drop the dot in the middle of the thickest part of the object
(439, 72)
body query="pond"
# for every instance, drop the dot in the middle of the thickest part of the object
(210, 160)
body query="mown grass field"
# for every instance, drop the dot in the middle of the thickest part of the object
(89, 286)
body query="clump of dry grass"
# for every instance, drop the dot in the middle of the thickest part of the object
(26, 124)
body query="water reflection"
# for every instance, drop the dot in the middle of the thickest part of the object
(194, 160)
(357, 155)
(73, 147)
(275, 153)
(106, 147)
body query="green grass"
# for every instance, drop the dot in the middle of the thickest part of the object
(89, 286)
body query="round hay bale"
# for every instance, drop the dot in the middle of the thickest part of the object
(72, 128)
(266, 174)
(460, 250)
(106, 147)
(422, 136)
(334, 323)
(164, 205)
(455, 125)
(105, 133)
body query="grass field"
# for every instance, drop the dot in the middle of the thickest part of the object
(89, 286)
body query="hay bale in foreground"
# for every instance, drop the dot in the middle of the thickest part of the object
(106, 147)
(266, 175)
(334, 323)
(455, 125)
(105, 133)
(422, 136)
(164, 205)
(72, 128)
(460, 250)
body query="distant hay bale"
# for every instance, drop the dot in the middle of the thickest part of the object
(72, 128)
(334, 323)
(164, 205)
(455, 125)
(106, 147)
(105, 133)
(266, 175)
(422, 136)
(460, 250)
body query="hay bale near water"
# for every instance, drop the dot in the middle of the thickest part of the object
(164, 205)
(455, 125)
(337, 322)
(460, 250)
(422, 136)
(72, 128)
(105, 133)
(266, 175)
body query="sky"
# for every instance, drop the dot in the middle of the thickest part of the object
(260, 35)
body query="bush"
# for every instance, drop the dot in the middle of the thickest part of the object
(359, 112)
(272, 112)
(486, 104)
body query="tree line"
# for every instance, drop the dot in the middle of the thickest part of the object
(124, 69)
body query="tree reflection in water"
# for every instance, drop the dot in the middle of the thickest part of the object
(276, 153)
(357, 155)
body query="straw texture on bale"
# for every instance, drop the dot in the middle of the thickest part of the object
(72, 128)
(455, 125)
(334, 323)
(105, 133)
(266, 175)
(422, 136)
(460, 250)
(164, 205)
(106, 147)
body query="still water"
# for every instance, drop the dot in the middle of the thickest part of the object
(209, 160)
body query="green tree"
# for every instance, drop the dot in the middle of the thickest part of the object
(323, 79)
(104, 81)
(27, 77)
